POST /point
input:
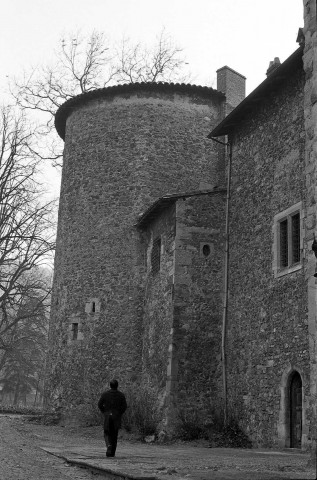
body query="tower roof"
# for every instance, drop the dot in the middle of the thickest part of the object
(70, 105)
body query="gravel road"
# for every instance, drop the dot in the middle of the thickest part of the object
(22, 459)
(22, 456)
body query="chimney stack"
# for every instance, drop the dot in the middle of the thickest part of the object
(274, 64)
(232, 84)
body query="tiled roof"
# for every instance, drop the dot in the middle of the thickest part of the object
(161, 203)
(66, 109)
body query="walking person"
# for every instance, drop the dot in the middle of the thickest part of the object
(112, 404)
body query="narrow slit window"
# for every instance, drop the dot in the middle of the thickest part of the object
(295, 238)
(289, 240)
(284, 243)
(74, 331)
(93, 307)
(156, 256)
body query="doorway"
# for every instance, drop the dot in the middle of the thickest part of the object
(295, 410)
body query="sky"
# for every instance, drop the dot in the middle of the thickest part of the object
(243, 34)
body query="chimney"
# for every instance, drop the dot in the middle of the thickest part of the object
(300, 37)
(274, 64)
(232, 84)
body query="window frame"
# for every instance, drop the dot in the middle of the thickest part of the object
(278, 269)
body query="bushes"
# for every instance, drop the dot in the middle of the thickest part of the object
(143, 414)
(189, 425)
(193, 425)
(229, 436)
(22, 410)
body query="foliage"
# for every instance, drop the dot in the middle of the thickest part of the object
(143, 414)
(189, 425)
(230, 436)
(192, 426)
(20, 409)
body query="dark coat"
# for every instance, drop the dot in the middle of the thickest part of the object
(112, 403)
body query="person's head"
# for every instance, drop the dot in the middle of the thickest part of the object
(114, 384)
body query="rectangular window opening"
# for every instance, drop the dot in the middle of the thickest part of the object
(295, 238)
(288, 241)
(93, 307)
(284, 243)
(75, 331)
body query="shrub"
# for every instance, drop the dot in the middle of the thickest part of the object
(22, 410)
(194, 425)
(142, 414)
(227, 436)
(189, 425)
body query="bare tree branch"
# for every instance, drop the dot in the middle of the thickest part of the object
(27, 230)
(83, 64)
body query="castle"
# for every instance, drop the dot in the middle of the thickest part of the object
(184, 247)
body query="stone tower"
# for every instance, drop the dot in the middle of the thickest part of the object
(125, 146)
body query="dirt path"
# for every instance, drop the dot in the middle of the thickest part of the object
(22, 459)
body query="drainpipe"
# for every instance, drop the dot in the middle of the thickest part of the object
(226, 284)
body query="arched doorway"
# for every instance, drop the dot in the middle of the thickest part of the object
(295, 410)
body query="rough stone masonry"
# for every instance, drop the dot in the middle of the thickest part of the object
(126, 147)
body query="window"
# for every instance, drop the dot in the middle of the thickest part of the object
(289, 230)
(74, 331)
(92, 306)
(287, 241)
(156, 256)
(206, 249)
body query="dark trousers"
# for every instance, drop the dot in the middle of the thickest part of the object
(111, 438)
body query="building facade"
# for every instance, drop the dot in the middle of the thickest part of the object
(271, 318)
(183, 264)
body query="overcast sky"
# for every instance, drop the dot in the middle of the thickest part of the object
(243, 34)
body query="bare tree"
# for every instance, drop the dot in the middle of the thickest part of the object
(83, 64)
(137, 63)
(26, 228)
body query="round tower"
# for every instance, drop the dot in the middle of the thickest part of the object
(125, 146)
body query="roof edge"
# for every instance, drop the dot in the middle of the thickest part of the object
(67, 108)
(172, 198)
(224, 127)
(231, 70)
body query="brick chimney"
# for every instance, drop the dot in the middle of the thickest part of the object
(274, 64)
(232, 84)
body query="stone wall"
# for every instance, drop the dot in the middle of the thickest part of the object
(158, 299)
(124, 147)
(182, 314)
(310, 111)
(267, 323)
(199, 254)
